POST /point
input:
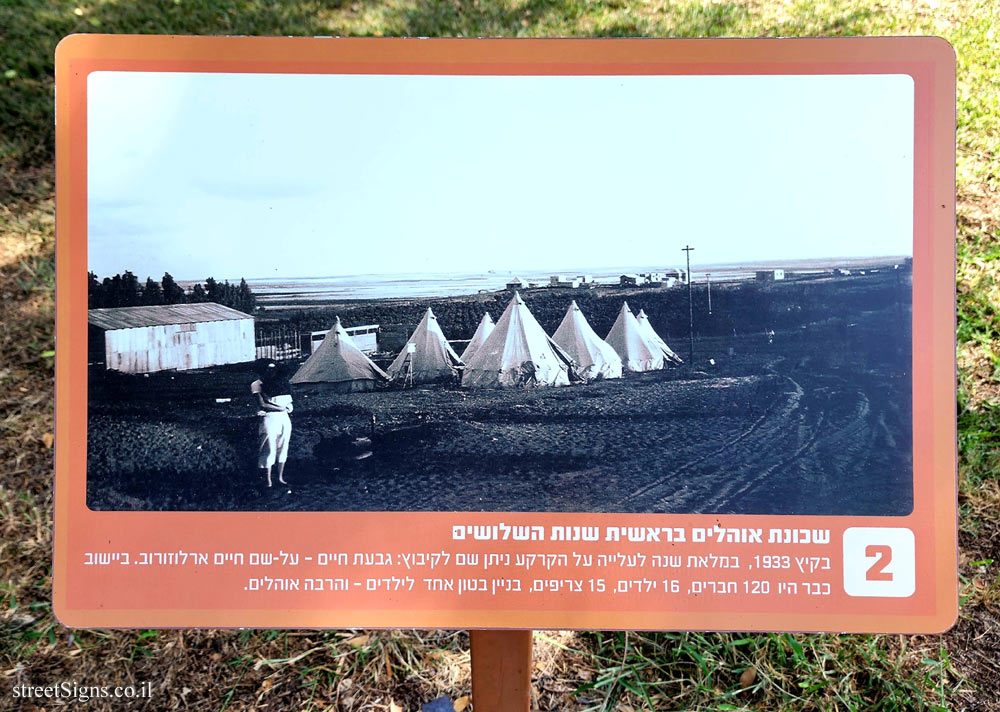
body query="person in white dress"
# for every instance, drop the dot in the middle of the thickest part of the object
(274, 402)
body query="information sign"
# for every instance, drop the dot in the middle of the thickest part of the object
(660, 333)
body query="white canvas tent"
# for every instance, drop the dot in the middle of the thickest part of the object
(517, 353)
(484, 329)
(637, 352)
(338, 364)
(426, 357)
(594, 358)
(668, 354)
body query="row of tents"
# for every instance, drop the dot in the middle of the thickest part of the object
(515, 351)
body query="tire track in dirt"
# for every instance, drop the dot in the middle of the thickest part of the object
(844, 435)
(741, 456)
(825, 429)
(761, 429)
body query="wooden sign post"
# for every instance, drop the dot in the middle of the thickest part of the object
(501, 670)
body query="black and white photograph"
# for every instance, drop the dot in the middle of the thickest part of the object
(634, 294)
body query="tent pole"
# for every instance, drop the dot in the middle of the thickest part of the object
(501, 670)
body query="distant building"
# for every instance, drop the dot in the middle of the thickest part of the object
(632, 280)
(679, 274)
(770, 275)
(840, 272)
(659, 279)
(561, 280)
(585, 279)
(517, 283)
(365, 337)
(170, 337)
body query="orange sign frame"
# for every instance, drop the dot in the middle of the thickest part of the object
(88, 595)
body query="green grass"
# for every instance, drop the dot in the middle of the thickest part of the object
(785, 672)
(598, 671)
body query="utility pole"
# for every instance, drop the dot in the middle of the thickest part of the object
(708, 277)
(688, 249)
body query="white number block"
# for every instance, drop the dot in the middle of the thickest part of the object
(879, 562)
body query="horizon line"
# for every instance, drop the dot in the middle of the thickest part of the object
(569, 271)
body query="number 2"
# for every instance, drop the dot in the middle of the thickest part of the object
(877, 572)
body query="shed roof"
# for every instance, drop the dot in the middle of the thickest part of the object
(137, 317)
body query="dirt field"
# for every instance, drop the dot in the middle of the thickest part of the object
(815, 422)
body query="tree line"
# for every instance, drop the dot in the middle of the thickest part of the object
(125, 290)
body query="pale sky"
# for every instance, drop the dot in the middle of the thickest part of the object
(258, 175)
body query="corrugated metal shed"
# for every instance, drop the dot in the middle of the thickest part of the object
(163, 315)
